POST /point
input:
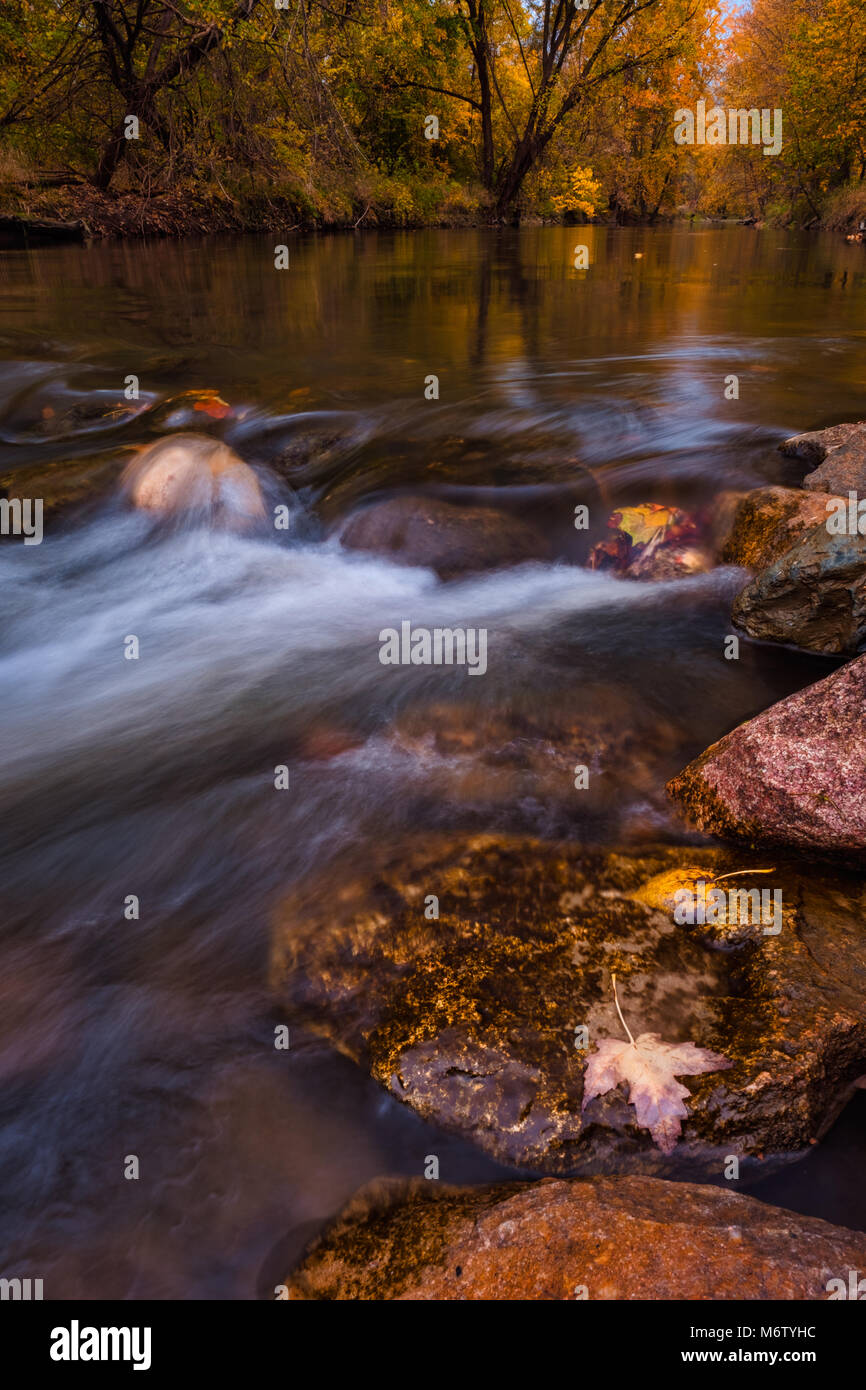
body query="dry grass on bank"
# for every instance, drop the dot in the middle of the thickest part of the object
(845, 209)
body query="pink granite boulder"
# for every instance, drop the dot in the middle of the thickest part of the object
(794, 775)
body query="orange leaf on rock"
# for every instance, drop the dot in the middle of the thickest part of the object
(611, 554)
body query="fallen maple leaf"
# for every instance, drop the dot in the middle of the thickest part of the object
(644, 523)
(649, 1067)
(613, 553)
(638, 532)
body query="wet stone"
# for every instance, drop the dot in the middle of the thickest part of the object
(470, 1017)
(601, 1238)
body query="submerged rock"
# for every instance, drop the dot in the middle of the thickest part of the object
(601, 1238)
(318, 445)
(671, 562)
(192, 472)
(471, 1017)
(813, 597)
(440, 535)
(837, 456)
(768, 522)
(531, 755)
(64, 484)
(794, 775)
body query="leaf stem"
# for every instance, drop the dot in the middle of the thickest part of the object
(619, 1010)
(738, 873)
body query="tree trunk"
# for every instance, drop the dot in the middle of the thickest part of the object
(655, 212)
(522, 160)
(140, 95)
(488, 156)
(113, 155)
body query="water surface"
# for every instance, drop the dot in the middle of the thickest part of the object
(155, 778)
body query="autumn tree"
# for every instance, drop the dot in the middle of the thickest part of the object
(569, 51)
(807, 58)
(151, 48)
(43, 50)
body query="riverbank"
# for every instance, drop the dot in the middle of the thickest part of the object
(196, 210)
(189, 212)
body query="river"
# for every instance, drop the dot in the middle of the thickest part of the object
(154, 1036)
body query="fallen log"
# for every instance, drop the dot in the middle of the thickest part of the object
(27, 231)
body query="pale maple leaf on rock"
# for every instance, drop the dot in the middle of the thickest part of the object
(650, 1068)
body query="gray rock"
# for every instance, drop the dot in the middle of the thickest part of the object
(837, 456)
(439, 535)
(813, 597)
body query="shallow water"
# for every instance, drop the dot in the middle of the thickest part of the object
(155, 777)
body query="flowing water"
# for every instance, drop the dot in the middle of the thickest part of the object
(155, 777)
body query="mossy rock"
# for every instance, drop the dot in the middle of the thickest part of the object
(767, 522)
(604, 1238)
(470, 1018)
(65, 484)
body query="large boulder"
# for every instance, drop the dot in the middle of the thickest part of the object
(768, 522)
(450, 539)
(470, 1017)
(192, 472)
(837, 456)
(602, 1238)
(813, 597)
(794, 775)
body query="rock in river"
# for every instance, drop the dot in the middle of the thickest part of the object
(794, 775)
(814, 597)
(470, 1018)
(64, 485)
(837, 456)
(767, 522)
(440, 535)
(526, 756)
(192, 472)
(601, 1238)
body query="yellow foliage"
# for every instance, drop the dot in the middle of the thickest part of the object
(583, 194)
